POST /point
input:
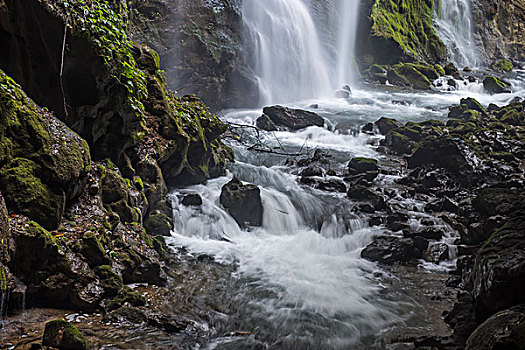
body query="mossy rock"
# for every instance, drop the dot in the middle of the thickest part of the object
(398, 142)
(502, 66)
(384, 125)
(513, 117)
(126, 296)
(496, 86)
(110, 281)
(92, 250)
(409, 75)
(473, 104)
(360, 165)
(158, 224)
(451, 69)
(439, 69)
(63, 335)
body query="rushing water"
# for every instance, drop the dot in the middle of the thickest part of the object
(454, 26)
(300, 281)
(348, 17)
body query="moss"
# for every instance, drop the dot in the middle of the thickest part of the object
(408, 74)
(92, 249)
(409, 24)
(439, 69)
(126, 295)
(63, 335)
(502, 66)
(25, 193)
(496, 86)
(3, 279)
(513, 117)
(111, 282)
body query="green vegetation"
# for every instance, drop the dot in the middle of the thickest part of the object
(502, 66)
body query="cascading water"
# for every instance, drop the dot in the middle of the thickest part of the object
(289, 62)
(347, 30)
(454, 26)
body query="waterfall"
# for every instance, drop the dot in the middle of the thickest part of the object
(290, 61)
(346, 38)
(454, 26)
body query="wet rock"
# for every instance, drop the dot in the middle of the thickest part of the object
(110, 281)
(504, 330)
(398, 142)
(325, 184)
(497, 201)
(159, 224)
(375, 221)
(126, 296)
(450, 69)
(312, 171)
(496, 86)
(288, 118)
(265, 123)
(243, 203)
(502, 66)
(362, 193)
(361, 165)
(7, 247)
(192, 200)
(496, 277)
(388, 250)
(314, 106)
(368, 128)
(437, 253)
(342, 94)
(92, 250)
(444, 204)
(131, 315)
(63, 335)
(384, 125)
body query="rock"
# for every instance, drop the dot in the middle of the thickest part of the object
(312, 171)
(444, 204)
(292, 119)
(450, 69)
(496, 277)
(159, 224)
(384, 125)
(389, 250)
(110, 281)
(132, 315)
(473, 104)
(92, 250)
(342, 94)
(265, 123)
(368, 127)
(192, 200)
(504, 330)
(332, 185)
(243, 203)
(7, 247)
(467, 69)
(126, 296)
(437, 253)
(398, 142)
(63, 335)
(502, 66)
(496, 86)
(375, 221)
(498, 201)
(314, 106)
(492, 107)
(361, 165)
(347, 88)
(406, 74)
(364, 194)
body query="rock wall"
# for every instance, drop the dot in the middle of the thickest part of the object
(200, 43)
(392, 31)
(500, 25)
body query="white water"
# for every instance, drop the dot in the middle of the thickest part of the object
(289, 62)
(454, 26)
(348, 17)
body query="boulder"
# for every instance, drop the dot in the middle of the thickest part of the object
(496, 86)
(389, 250)
(63, 335)
(288, 118)
(243, 203)
(384, 125)
(159, 224)
(360, 165)
(398, 142)
(504, 330)
(451, 69)
(265, 123)
(192, 200)
(502, 66)
(342, 94)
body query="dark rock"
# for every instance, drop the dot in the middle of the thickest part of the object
(436, 253)
(368, 127)
(126, 314)
(158, 223)
(384, 125)
(498, 201)
(444, 204)
(492, 108)
(126, 296)
(396, 226)
(192, 200)
(361, 165)
(243, 202)
(92, 250)
(63, 335)
(7, 247)
(375, 221)
(504, 330)
(399, 143)
(314, 106)
(293, 119)
(390, 250)
(496, 86)
(347, 88)
(312, 171)
(332, 185)
(473, 104)
(265, 123)
(450, 69)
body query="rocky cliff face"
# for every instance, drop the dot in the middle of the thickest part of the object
(200, 43)
(90, 140)
(398, 31)
(500, 25)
